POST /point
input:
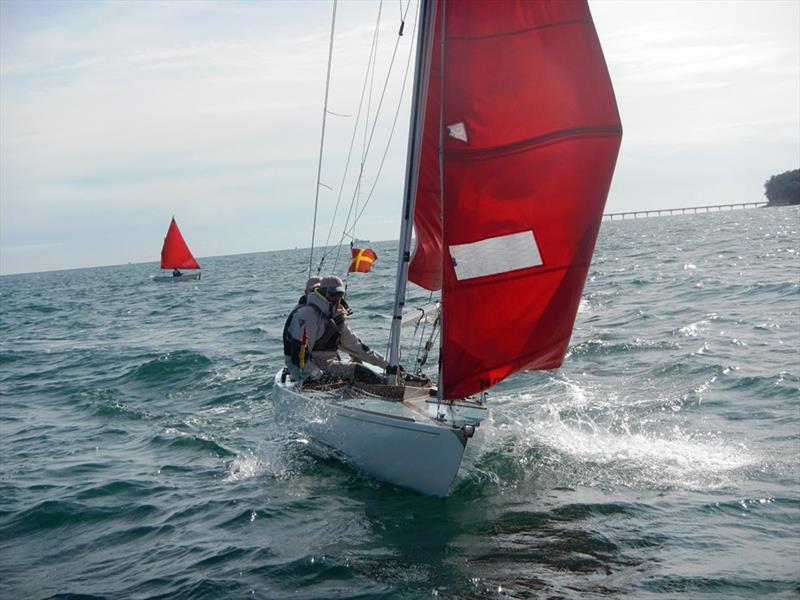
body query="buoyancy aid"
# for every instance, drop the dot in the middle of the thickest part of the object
(327, 342)
(291, 345)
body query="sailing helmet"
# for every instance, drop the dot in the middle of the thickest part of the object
(332, 285)
(313, 282)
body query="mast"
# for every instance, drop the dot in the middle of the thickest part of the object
(421, 77)
(442, 315)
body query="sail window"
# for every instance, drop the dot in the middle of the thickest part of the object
(458, 131)
(496, 255)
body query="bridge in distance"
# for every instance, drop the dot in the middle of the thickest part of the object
(635, 214)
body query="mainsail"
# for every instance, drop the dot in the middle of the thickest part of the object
(175, 254)
(520, 110)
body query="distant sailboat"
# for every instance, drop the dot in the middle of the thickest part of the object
(175, 255)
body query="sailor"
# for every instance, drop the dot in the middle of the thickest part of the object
(176, 273)
(311, 285)
(316, 331)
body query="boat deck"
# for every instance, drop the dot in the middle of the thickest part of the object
(409, 402)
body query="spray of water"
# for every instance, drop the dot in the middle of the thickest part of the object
(573, 435)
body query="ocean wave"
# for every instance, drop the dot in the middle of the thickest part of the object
(178, 440)
(45, 309)
(601, 347)
(54, 514)
(120, 488)
(782, 385)
(180, 363)
(110, 402)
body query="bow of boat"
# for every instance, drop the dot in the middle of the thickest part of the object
(407, 438)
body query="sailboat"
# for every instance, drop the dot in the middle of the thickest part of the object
(513, 141)
(175, 255)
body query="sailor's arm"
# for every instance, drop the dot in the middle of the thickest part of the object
(351, 344)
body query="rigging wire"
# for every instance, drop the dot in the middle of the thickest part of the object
(422, 357)
(352, 143)
(375, 123)
(403, 16)
(349, 233)
(322, 139)
(365, 144)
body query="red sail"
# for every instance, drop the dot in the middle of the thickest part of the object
(531, 133)
(175, 254)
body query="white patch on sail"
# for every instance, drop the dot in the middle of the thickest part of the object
(458, 131)
(496, 255)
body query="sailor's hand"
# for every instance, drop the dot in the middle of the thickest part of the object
(314, 373)
(419, 379)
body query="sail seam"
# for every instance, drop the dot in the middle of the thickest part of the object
(542, 140)
(522, 31)
(517, 274)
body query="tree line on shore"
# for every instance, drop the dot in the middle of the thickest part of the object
(783, 189)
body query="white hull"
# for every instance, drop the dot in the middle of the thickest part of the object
(400, 442)
(184, 277)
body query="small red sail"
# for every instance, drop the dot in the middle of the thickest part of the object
(362, 260)
(175, 254)
(520, 97)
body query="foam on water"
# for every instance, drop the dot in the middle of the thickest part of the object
(696, 329)
(245, 466)
(605, 442)
(281, 458)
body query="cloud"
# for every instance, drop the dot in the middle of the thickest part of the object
(704, 72)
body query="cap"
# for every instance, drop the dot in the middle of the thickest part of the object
(332, 285)
(312, 283)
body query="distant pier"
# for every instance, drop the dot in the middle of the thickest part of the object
(635, 214)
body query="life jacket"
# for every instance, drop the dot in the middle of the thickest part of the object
(327, 342)
(291, 346)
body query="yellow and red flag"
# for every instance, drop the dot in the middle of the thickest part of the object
(362, 260)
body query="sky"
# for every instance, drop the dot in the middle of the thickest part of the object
(116, 115)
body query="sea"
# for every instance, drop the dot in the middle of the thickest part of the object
(141, 456)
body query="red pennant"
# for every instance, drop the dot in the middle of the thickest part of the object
(362, 260)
